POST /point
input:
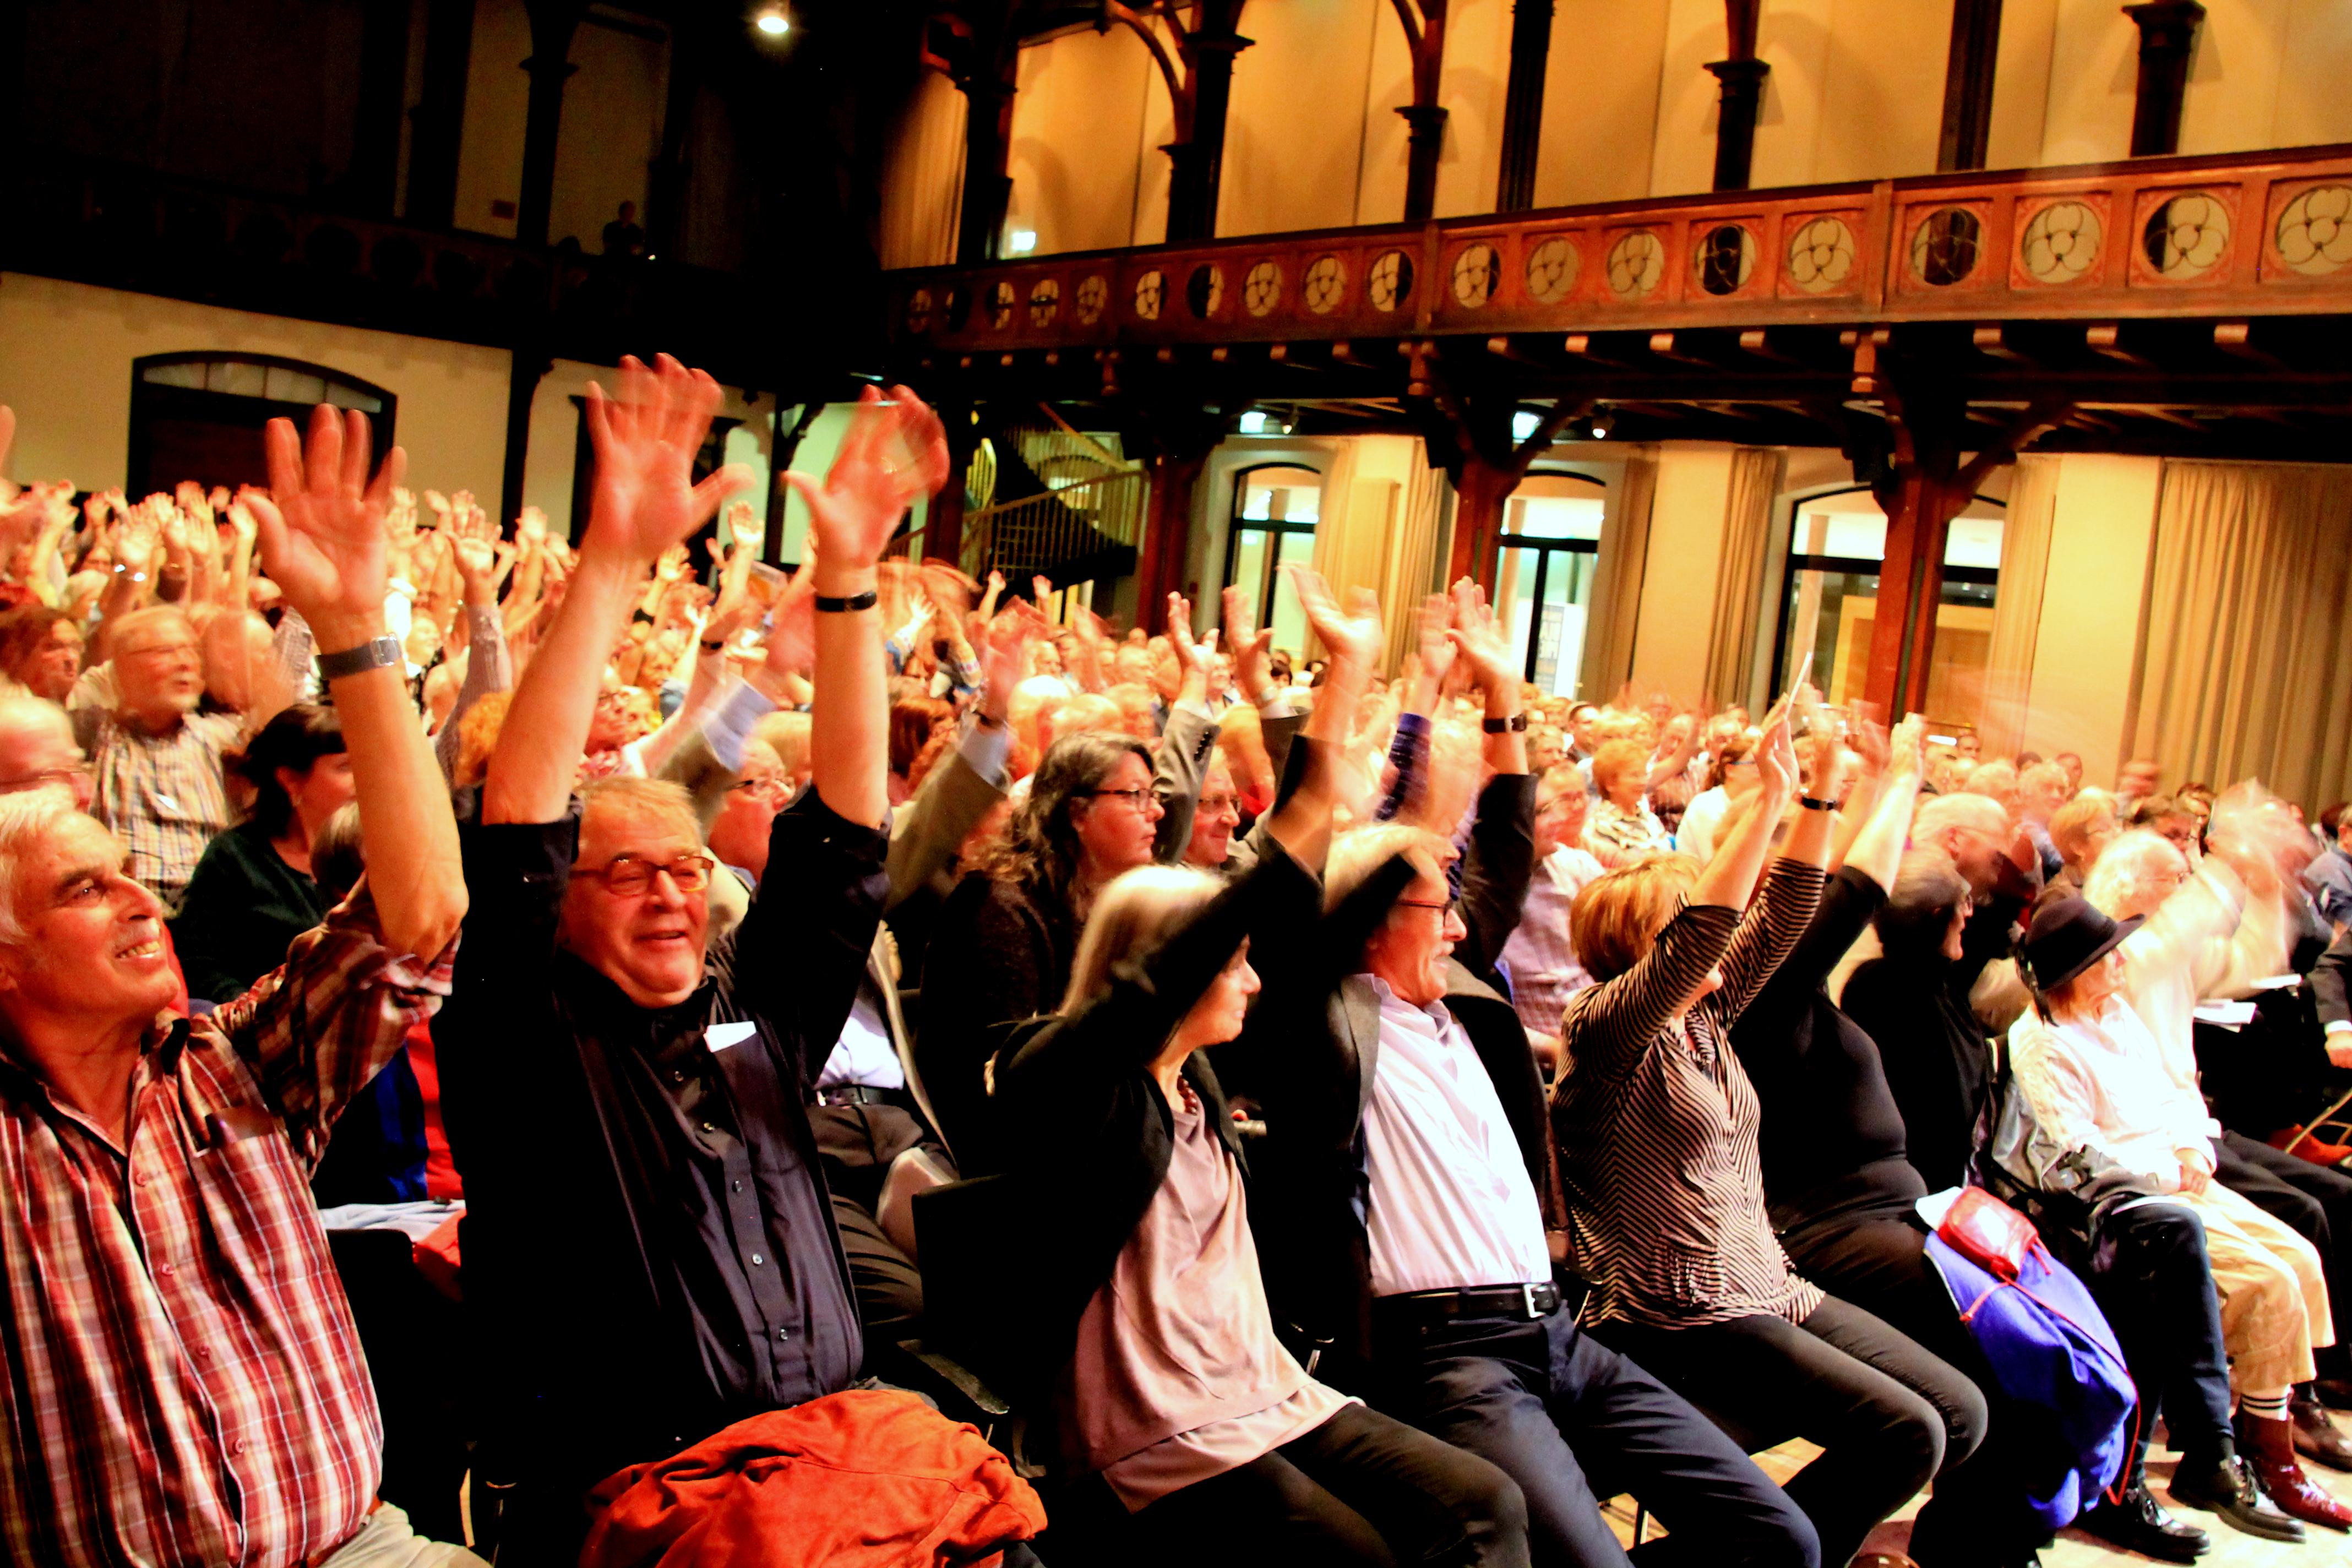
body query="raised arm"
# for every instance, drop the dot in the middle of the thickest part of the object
(851, 518)
(1730, 876)
(644, 501)
(1188, 738)
(322, 539)
(1501, 861)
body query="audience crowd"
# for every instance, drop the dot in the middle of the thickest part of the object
(776, 1066)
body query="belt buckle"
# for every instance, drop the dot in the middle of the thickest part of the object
(1528, 1295)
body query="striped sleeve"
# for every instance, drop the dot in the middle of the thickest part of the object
(1609, 1027)
(1775, 922)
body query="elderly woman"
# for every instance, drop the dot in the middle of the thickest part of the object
(1657, 1123)
(1004, 940)
(1622, 829)
(1149, 1318)
(2080, 830)
(1541, 951)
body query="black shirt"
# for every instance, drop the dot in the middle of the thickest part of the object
(1832, 1143)
(649, 1234)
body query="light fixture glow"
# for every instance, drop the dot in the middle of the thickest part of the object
(1252, 423)
(1525, 423)
(1601, 427)
(1020, 242)
(774, 23)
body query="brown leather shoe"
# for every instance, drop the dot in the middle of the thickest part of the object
(2271, 1446)
(2316, 1436)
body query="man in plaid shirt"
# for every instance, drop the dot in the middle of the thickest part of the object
(179, 1373)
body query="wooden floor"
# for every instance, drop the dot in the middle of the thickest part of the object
(2232, 1549)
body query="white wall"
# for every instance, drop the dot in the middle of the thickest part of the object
(548, 466)
(65, 351)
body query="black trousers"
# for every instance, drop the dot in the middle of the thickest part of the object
(1979, 1516)
(2315, 1201)
(1572, 1422)
(1359, 1490)
(1844, 1380)
(2149, 1274)
(856, 1144)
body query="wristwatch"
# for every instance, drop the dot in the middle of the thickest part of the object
(1815, 803)
(1517, 723)
(376, 653)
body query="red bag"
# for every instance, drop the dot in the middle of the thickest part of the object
(1987, 1232)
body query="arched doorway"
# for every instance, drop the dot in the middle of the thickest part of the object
(1543, 580)
(1275, 509)
(199, 415)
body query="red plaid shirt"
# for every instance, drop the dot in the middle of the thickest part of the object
(182, 1379)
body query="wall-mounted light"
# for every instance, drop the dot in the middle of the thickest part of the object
(772, 22)
(1253, 422)
(1601, 427)
(1020, 242)
(1525, 424)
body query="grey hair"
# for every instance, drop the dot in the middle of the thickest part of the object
(1961, 809)
(2120, 873)
(27, 819)
(28, 713)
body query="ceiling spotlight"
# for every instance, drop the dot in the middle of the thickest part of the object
(773, 22)
(1252, 423)
(1601, 427)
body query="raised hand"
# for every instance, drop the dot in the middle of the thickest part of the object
(896, 450)
(1353, 634)
(1435, 649)
(1012, 631)
(1191, 653)
(1479, 637)
(321, 524)
(1907, 748)
(1248, 648)
(1869, 740)
(645, 499)
(1776, 756)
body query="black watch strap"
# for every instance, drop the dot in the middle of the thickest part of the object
(1515, 724)
(376, 653)
(854, 603)
(1815, 803)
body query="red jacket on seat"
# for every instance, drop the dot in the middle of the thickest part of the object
(863, 1478)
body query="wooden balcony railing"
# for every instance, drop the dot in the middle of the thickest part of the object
(2246, 235)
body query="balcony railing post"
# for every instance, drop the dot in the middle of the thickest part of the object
(2167, 32)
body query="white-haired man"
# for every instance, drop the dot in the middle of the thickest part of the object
(183, 1383)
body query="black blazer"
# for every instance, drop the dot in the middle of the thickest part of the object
(1077, 1100)
(1308, 1060)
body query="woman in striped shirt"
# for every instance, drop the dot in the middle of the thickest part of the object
(1656, 1125)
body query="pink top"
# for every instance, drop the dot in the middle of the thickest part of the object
(1177, 1375)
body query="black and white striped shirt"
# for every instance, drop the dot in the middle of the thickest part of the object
(1656, 1125)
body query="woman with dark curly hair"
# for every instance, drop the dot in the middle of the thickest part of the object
(1006, 938)
(252, 892)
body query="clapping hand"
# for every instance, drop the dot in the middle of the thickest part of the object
(1776, 758)
(1478, 637)
(1354, 633)
(896, 450)
(1249, 649)
(321, 523)
(1435, 649)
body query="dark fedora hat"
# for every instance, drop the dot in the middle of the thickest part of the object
(2068, 936)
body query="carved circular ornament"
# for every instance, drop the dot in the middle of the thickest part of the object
(919, 311)
(1946, 246)
(2185, 236)
(1001, 297)
(1262, 288)
(1151, 295)
(1821, 254)
(1325, 284)
(2315, 231)
(1726, 258)
(1204, 292)
(1551, 269)
(1094, 293)
(1476, 270)
(1637, 262)
(2060, 243)
(1390, 283)
(1045, 301)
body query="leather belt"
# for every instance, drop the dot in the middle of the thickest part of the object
(1527, 1303)
(861, 1094)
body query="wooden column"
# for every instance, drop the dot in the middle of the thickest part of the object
(2167, 31)
(552, 23)
(1920, 507)
(1742, 76)
(374, 178)
(1208, 48)
(1968, 85)
(666, 197)
(1514, 188)
(438, 120)
(989, 79)
(528, 363)
(1166, 528)
(1481, 488)
(1424, 37)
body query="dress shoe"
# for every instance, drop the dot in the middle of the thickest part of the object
(2228, 1487)
(2316, 1436)
(2336, 1392)
(2138, 1523)
(2270, 1443)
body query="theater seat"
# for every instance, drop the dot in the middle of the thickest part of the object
(412, 1334)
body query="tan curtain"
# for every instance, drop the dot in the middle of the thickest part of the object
(1624, 555)
(2246, 669)
(922, 180)
(2017, 605)
(1756, 473)
(1414, 569)
(1382, 534)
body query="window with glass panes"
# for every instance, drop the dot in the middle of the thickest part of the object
(1543, 580)
(1275, 509)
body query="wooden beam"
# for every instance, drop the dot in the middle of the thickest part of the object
(2167, 32)
(1968, 85)
(1515, 185)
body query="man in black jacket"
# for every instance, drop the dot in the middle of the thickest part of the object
(648, 1241)
(1407, 1175)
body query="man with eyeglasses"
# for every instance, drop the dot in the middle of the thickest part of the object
(648, 1239)
(37, 749)
(1406, 1185)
